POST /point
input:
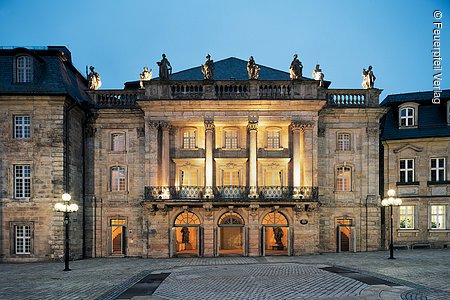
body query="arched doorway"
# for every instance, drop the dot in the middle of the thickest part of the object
(186, 235)
(230, 235)
(275, 234)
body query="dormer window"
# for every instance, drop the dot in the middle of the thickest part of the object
(24, 69)
(407, 117)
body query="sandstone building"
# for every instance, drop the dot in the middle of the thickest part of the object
(186, 166)
(415, 154)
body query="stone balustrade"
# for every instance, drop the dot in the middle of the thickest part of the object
(353, 97)
(235, 89)
(115, 98)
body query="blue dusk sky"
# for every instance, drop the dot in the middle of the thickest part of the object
(119, 38)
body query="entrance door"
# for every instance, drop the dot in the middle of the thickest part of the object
(231, 234)
(346, 241)
(186, 235)
(117, 237)
(275, 234)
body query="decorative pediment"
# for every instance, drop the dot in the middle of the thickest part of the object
(417, 149)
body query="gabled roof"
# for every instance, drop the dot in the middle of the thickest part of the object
(231, 68)
(432, 118)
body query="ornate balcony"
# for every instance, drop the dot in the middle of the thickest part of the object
(232, 193)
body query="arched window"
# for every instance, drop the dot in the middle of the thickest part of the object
(187, 218)
(343, 178)
(275, 219)
(407, 116)
(24, 69)
(118, 179)
(231, 218)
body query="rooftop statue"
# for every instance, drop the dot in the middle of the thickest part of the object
(165, 69)
(94, 81)
(252, 69)
(318, 75)
(296, 68)
(208, 68)
(145, 76)
(369, 78)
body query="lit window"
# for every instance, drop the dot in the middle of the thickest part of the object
(118, 179)
(273, 178)
(407, 217)
(438, 217)
(230, 178)
(437, 169)
(343, 142)
(21, 127)
(407, 116)
(118, 142)
(24, 67)
(22, 181)
(273, 139)
(231, 139)
(189, 178)
(23, 239)
(406, 170)
(343, 179)
(189, 139)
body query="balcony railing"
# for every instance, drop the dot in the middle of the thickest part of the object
(232, 193)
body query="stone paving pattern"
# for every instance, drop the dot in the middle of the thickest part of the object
(421, 274)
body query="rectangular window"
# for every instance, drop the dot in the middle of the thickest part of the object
(231, 178)
(231, 139)
(343, 142)
(118, 142)
(22, 181)
(189, 139)
(273, 139)
(438, 217)
(437, 167)
(407, 217)
(407, 117)
(22, 239)
(343, 179)
(406, 170)
(118, 179)
(21, 127)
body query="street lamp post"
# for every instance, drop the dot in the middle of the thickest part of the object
(391, 201)
(66, 208)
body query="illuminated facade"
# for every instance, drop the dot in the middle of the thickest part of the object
(228, 166)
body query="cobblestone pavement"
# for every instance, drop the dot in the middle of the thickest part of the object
(415, 274)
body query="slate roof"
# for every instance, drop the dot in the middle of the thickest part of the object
(231, 68)
(53, 73)
(432, 118)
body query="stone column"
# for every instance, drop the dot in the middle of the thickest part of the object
(296, 157)
(209, 131)
(253, 130)
(299, 159)
(151, 152)
(165, 154)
